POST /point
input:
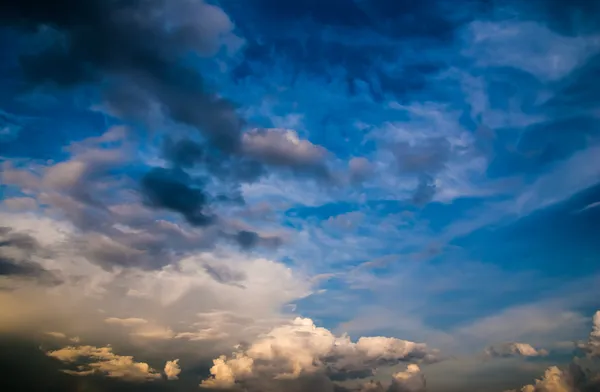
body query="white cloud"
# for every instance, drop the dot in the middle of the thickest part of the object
(172, 369)
(592, 346)
(300, 348)
(570, 379)
(126, 322)
(282, 147)
(528, 46)
(57, 335)
(410, 380)
(163, 303)
(514, 349)
(102, 360)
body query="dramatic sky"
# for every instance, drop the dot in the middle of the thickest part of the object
(300, 195)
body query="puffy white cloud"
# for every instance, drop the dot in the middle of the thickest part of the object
(410, 380)
(554, 380)
(570, 379)
(300, 348)
(282, 147)
(573, 378)
(101, 360)
(172, 369)
(592, 346)
(514, 349)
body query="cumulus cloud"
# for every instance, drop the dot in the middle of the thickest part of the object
(101, 360)
(592, 346)
(410, 380)
(172, 369)
(572, 379)
(300, 348)
(514, 349)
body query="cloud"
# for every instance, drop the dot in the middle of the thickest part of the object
(126, 322)
(225, 275)
(589, 206)
(172, 190)
(20, 203)
(360, 169)
(142, 73)
(514, 349)
(592, 346)
(572, 379)
(283, 147)
(549, 55)
(410, 380)
(101, 360)
(299, 348)
(17, 251)
(58, 335)
(172, 369)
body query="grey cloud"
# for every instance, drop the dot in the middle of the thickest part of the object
(425, 190)
(281, 147)
(16, 251)
(360, 169)
(424, 160)
(19, 240)
(514, 349)
(171, 189)
(224, 274)
(573, 378)
(429, 156)
(592, 346)
(130, 41)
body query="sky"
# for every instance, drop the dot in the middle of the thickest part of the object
(302, 195)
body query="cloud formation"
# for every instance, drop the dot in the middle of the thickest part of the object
(592, 346)
(180, 177)
(514, 349)
(101, 360)
(301, 348)
(571, 379)
(172, 369)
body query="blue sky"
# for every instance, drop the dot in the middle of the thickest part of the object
(424, 171)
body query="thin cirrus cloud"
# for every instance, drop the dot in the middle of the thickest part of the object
(290, 195)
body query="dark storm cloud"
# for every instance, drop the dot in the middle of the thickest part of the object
(183, 153)
(247, 239)
(171, 189)
(130, 40)
(16, 250)
(174, 190)
(19, 240)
